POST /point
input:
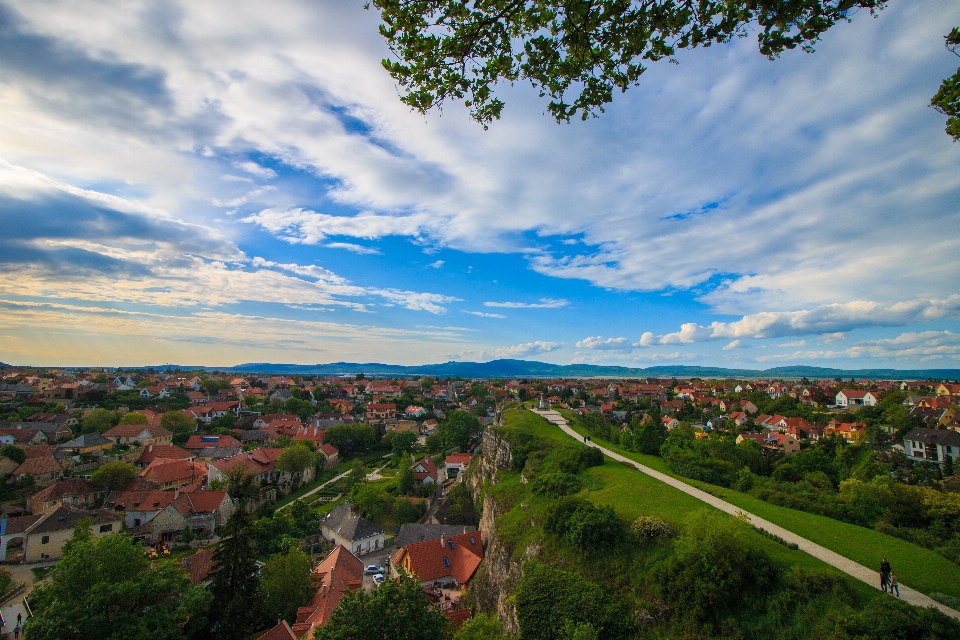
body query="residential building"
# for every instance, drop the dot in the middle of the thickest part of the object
(345, 526)
(856, 397)
(339, 572)
(171, 474)
(457, 463)
(44, 470)
(87, 443)
(153, 452)
(425, 471)
(377, 412)
(933, 445)
(74, 491)
(46, 537)
(139, 434)
(412, 532)
(139, 507)
(448, 560)
(202, 511)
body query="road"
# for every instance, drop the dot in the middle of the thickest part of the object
(851, 568)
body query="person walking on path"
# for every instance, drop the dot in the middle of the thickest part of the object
(884, 574)
(893, 584)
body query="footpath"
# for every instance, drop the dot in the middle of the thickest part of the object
(851, 568)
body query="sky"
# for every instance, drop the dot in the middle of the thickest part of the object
(216, 183)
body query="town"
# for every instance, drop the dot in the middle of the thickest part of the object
(343, 484)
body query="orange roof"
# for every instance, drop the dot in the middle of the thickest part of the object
(313, 434)
(458, 557)
(198, 565)
(339, 571)
(328, 450)
(459, 458)
(202, 442)
(142, 500)
(255, 462)
(163, 471)
(38, 466)
(167, 451)
(134, 430)
(194, 502)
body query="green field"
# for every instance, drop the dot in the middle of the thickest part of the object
(919, 568)
(628, 491)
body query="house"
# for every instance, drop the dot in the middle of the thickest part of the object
(263, 421)
(670, 423)
(261, 463)
(171, 474)
(282, 631)
(7, 465)
(199, 565)
(197, 443)
(140, 507)
(948, 390)
(153, 452)
(339, 572)
(25, 436)
(379, 412)
(415, 412)
(786, 443)
(75, 491)
(457, 464)
(331, 455)
(87, 443)
(606, 410)
(748, 407)
(450, 559)
(202, 511)
(671, 406)
(346, 527)
(740, 418)
(44, 470)
(856, 397)
(847, 430)
(933, 445)
(140, 434)
(44, 539)
(424, 470)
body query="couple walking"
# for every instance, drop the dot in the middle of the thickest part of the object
(888, 579)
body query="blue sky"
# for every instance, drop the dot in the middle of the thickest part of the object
(218, 183)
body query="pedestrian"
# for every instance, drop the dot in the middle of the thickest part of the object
(884, 574)
(19, 619)
(894, 585)
(16, 631)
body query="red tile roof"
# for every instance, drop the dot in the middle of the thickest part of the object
(194, 502)
(338, 572)
(39, 466)
(134, 430)
(198, 565)
(202, 442)
(163, 471)
(155, 500)
(458, 557)
(167, 451)
(280, 632)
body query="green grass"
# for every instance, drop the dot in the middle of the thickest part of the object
(628, 491)
(919, 568)
(325, 476)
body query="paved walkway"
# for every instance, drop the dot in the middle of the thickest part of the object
(314, 490)
(9, 613)
(851, 568)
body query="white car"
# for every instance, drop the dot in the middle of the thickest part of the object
(372, 569)
(379, 579)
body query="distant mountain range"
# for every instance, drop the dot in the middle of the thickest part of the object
(532, 369)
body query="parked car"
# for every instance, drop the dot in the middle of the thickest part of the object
(372, 569)
(379, 579)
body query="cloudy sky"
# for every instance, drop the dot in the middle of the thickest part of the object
(226, 182)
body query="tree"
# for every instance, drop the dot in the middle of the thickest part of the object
(481, 627)
(404, 442)
(576, 53)
(406, 510)
(242, 486)
(235, 583)
(406, 482)
(106, 588)
(15, 453)
(114, 476)
(457, 429)
(947, 99)
(178, 423)
(287, 584)
(396, 610)
(370, 499)
(98, 421)
(351, 438)
(134, 418)
(294, 459)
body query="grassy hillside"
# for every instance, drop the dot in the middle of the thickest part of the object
(922, 569)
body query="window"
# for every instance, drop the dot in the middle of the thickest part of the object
(136, 522)
(446, 562)
(450, 544)
(472, 540)
(46, 539)
(106, 527)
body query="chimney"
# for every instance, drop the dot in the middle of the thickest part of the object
(442, 540)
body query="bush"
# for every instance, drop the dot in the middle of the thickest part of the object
(594, 528)
(649, 528)
(892, 618)
(556, 485)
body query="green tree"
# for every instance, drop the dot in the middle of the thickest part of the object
(396, 610)
(114, 476)
(481, 627)
(370, 499)
(237, 597)
(107, 589)
(295, 459)
(98, 421)
(15, 453)
(287, 584)
(457, 429)
(351, 438)
(242, 486)
(358, 474)
(576, 53)
(406, 482)
(178, 423)
(134, 418)
(404, 442)
(405, 510)
(556, 484)
(947, 99)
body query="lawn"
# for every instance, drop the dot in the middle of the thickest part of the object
(922, 569)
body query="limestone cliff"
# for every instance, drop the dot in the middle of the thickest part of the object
(496, 579)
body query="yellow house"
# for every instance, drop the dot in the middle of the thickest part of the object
(88, 443)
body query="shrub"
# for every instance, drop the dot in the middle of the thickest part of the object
(556, 485)
(650, 527)
(593, 528)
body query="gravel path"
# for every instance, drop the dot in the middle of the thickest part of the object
(851, 568)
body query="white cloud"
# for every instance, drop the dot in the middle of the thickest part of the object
(534, 348)
(598, 343)
(355, 248)
(732, 346)
(437, 264)
(545, 303)
(253, 168)
(485, 315)
(939, 347)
